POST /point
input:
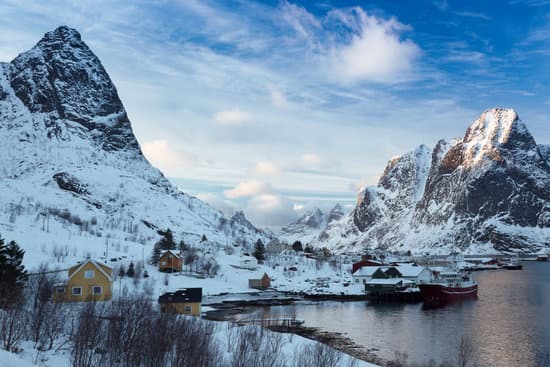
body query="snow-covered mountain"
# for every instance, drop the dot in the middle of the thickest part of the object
(487, 191)
(309, 226)
(70, 160)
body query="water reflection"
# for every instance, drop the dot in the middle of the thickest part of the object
(509, 323)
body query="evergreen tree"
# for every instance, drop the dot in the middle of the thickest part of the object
(297, 246)
(13, 275)
(165, 243)
(131, 271)
(121, 271)
(203, 238)
(259, 251)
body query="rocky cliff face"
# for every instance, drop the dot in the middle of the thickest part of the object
(61, 79)
(488, 191)
(69, 155)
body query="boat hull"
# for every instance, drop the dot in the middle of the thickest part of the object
(439, 293)
(513, 267)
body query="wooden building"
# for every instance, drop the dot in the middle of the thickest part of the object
(186, 301)
(170, 261)
(263, 283)
(384, 286)
(88, 281)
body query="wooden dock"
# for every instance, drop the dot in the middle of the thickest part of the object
(285, 322)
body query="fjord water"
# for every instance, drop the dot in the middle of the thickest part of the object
(509, 323)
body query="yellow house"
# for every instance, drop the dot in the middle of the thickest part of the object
(185, 301)
(88, 281)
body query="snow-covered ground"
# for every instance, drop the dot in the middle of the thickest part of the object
(289, 347)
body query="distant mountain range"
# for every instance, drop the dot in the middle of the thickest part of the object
(486, 192)
(310, 225)
(69, 156)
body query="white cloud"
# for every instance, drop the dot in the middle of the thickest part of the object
(278, 99)
(270, 210)
(227, 207)
(162, 155)
(267, 169)
(233, 116)
(248, 188)
(300, 20)
(376, 51)
(312, 160)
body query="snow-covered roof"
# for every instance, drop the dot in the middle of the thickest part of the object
(98, 267)
(390, 281)
(366, 271)
(409, 270)
(164, 252)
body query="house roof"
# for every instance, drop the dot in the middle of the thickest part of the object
(182, 295)
(94, 263)
(389, 281)
(165, 252)
(366, 271)
(410, 270)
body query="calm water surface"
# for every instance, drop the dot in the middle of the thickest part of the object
(509, 323)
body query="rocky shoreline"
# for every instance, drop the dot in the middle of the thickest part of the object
(229, 310)
(335, 340)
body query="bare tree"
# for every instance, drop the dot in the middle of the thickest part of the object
(86, 338)
(12, 327)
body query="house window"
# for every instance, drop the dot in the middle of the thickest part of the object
(163, 263)
(77, 291)
(96, 290)
(187, 309)
(60, 289)
(89, 274)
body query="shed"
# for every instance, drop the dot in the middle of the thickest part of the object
(263, 283)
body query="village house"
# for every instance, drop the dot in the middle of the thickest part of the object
(88, 281)
(170, 261)
(384, 286)
(275, 247)
(186, 301)
(364, 274)
(263, 283)
(414, 273)
(365, 261)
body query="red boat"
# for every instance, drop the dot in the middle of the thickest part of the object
(448, 286)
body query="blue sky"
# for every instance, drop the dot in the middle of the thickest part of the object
(279, 106)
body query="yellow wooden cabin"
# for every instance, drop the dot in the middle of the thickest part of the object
(87, 281)
(185, 301)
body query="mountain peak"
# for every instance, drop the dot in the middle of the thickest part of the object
(494, 125)
(63, 79)
(63, 34)
(497, 135)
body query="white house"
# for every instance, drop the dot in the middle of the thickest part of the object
(364, 274)
(414, 273)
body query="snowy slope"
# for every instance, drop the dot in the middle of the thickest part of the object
(486, 192)
(70, 160)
